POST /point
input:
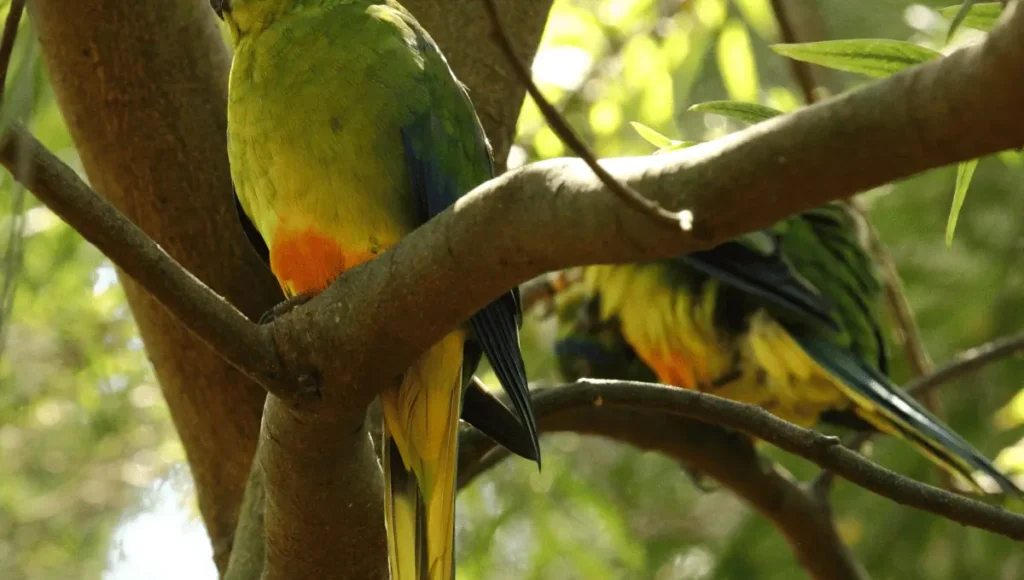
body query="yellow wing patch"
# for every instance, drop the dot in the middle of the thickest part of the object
(422, 417)
(788, 382)
(673, 332)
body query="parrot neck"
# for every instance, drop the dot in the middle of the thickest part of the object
(247, 18)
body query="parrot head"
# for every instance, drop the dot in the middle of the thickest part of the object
(249, 16)
(587, 346)
(220, 7)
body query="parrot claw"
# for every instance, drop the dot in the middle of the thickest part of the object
(284, 307)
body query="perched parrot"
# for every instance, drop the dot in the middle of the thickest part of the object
(347, 130)
(787, 318)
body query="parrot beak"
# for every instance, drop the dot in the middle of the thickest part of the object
(220, 7)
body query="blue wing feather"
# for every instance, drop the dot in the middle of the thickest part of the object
(495, 327)
(904, 413)
(768, 276)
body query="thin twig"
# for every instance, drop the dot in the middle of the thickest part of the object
(918, 359)
(537, 292)
(7, 42)
(801, 70)
(14, 251)
(967, 362)
(756, 422)
(681, 220)
(12, 262)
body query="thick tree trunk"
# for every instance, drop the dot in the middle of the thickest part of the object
(463, 31)
(142, 86)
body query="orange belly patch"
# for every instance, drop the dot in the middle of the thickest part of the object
(306, 261)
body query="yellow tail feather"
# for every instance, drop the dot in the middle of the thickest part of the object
(420, 457)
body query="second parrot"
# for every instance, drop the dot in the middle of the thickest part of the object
(787, 318)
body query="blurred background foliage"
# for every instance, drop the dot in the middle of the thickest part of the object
(86, 444)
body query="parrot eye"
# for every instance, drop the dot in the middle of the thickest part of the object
(220, 7)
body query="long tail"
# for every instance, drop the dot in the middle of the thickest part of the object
(420, 457)
(893, 411)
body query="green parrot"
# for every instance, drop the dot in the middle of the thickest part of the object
(346, 131)
(787, 318)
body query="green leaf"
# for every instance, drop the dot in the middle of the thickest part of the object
(747, 112)
(874, 57)
(676, 146)
(651, 136)
(964, 174)
(663, 143)
(971, 14)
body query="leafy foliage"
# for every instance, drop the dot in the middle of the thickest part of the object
(972, 14)
(746, 112)
(874, 57)
(964, 174)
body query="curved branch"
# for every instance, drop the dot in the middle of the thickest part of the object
(207, 314)
(801, 71)
(755, 422)
(14, 12)
(555, 214)
(723, 455)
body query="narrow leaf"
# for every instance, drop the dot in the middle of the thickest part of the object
(676, 146)
(971, 14)
(747, 112)
(964, 174)
(650, 135)
(874, 57)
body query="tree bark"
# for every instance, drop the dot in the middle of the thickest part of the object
(142, 86)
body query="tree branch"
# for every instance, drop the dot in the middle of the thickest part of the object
(801, 70)
(142, 89)
(756, 422)
(551, 215)
(556, 214)
(727, 457)
(966, 362)
(14, 12)
(211, 317)
(895, 295)
(559, 125)
(969, 361)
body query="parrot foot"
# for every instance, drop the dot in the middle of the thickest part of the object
(284, 307)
